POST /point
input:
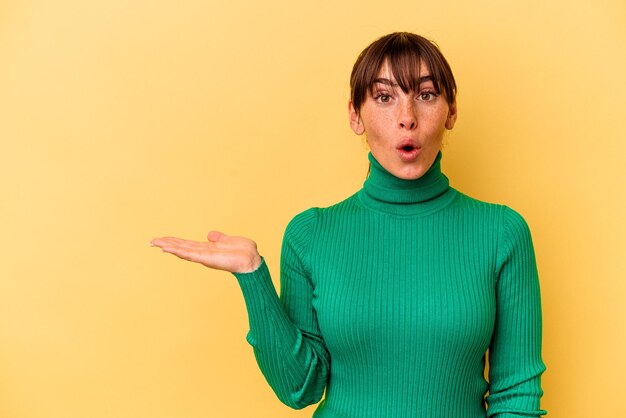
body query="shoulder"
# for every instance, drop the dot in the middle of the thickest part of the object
(514, 222)
(487, 214)
(302, 220)
(515, 235)
(503, 213)
(515, 242)
(303, 225)
(298, 232)
(508, 225)
(466, 202)
(312, 215)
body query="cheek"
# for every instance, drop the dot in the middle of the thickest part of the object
(436, 120)
(371, 128)
(380, 124)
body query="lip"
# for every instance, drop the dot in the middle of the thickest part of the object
(408, 150)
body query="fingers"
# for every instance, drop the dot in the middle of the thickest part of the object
(167, 239)
(181, 252)
(160, 242)
(198, 252)
(216, 241)
(185, 249)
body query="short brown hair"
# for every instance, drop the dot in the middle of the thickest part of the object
(404, 51)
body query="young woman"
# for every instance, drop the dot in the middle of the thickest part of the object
(391, 298)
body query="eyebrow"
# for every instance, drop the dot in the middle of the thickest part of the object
(388, 82)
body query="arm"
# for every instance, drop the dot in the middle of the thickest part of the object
(515, 364)
(284, 333)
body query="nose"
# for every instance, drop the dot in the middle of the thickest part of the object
(407, 119)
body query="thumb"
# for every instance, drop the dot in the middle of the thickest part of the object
(215, 236)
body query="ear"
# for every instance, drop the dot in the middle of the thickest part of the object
(355, 120)
(452, 114)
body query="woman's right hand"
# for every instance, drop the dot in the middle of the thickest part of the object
(221, 251)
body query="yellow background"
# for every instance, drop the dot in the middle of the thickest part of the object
(125, 120)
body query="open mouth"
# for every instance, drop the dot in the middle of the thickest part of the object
(408, 151)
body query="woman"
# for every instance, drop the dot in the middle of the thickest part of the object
(391, 298)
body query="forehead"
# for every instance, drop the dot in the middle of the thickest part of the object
(386, 71)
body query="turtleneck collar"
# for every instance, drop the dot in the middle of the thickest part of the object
(384, 192)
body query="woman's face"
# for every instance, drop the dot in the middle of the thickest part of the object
(403, 130)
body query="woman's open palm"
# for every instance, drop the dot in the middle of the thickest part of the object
(221, 251)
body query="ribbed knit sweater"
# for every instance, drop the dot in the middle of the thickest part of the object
(390, 299)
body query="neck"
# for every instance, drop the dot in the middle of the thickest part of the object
(384, 192)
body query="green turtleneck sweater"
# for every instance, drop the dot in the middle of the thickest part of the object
(390, 299)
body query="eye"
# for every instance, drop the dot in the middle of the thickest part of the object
(382, 97)
(426, 96)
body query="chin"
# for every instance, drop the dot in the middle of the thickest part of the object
(410, 174)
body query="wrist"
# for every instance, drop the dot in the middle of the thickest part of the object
(254, 264)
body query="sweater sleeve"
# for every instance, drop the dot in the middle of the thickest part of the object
(284, 333)
(515, 363)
